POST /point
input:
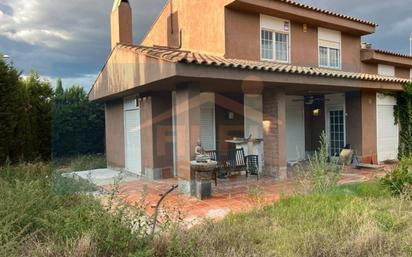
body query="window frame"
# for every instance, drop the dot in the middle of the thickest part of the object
(328, 50)
(274, 31)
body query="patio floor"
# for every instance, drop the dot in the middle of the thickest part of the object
(236, 194)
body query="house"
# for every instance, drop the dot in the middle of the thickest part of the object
(275, 70)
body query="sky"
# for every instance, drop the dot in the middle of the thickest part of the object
(71, 39)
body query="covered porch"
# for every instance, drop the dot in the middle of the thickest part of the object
(285, 122)
(167, 100)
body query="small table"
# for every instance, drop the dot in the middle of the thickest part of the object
(203, 175)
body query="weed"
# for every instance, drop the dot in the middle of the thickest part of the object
(321, 173)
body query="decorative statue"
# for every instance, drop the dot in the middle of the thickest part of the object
(201, 153)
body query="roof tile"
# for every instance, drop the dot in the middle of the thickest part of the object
(180, 56)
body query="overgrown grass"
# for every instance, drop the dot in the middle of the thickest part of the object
(80, 163)
(42, 217)
(353, 220)
(35, 220)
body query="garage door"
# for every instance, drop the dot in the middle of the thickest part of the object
(132, 138)
(387, 131)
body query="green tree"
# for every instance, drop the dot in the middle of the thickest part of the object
(10, 102)
(38, 95)
(78, 125)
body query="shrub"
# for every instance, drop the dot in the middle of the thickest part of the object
(321, 172)
(399, 180)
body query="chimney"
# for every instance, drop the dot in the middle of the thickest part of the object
(121, 23)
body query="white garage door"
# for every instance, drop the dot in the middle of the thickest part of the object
(387, 131)
(132, 138)
(295, 128)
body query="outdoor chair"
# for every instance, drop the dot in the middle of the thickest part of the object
(220, 165)
(252, 165)
(236, 161)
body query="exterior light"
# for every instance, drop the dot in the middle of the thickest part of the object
(266, 125)
(316, 112)
(305, 28)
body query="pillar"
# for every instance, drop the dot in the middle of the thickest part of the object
(156, 135)
(274, 133)
(369, 130)
(187, 134)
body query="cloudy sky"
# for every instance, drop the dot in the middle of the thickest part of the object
(70, 39)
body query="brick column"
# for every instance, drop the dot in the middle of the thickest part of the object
(274, 133)
(187, 133)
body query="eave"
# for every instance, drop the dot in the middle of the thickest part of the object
(305, 14)
(385, 57)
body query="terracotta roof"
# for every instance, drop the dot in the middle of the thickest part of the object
(391, 53)
(180, 56)
(312, 8)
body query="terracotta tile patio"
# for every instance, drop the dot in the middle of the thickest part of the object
(236, 194)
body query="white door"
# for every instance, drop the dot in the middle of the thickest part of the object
(387, 131)
(132, 140)
(295, 128)
(336, 129)
(207, 121)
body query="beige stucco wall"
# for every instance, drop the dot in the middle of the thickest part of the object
(201, 23)
(115, 151)
(126, 70)
(243, 41)
(242, 35)
(304, 45)
(402, 72)
(351, 46)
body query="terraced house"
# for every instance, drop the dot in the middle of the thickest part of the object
(275, 71)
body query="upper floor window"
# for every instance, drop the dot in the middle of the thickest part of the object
(386, 70)
(329, 57)
(329, 48)
(275, 44)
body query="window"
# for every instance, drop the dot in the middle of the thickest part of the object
(329, 48)
(267, 45)
(329, 57)
(386, 70)
(282, 47)
(275, 50)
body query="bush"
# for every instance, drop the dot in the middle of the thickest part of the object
(322, 173)
(399, 180)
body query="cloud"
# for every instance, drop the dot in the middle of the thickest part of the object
(70, 39)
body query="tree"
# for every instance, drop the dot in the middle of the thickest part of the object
(9, 106)
(38, 96)
(25, 114)
(78, 125)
